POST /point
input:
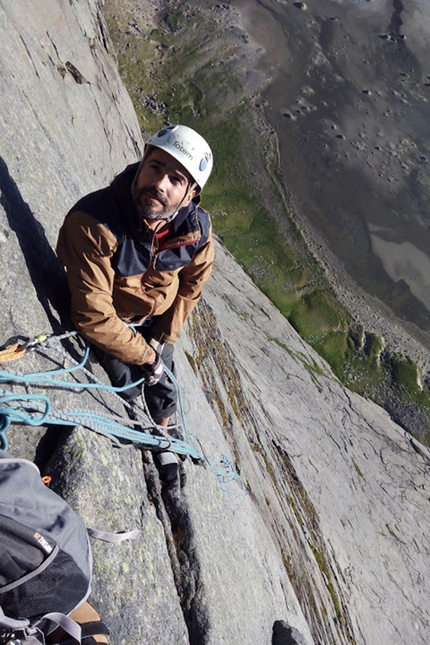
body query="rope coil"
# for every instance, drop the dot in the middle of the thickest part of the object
(36, 409)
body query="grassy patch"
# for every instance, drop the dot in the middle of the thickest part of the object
(406, 380)
(332, 347)
(318, 313)
(357, 469)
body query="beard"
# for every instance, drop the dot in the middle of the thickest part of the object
(147, 209)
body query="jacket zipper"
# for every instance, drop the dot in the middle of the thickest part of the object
(142, 287)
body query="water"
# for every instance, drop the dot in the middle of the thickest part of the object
(350, 102)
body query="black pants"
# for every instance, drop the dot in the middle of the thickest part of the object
(160, 398)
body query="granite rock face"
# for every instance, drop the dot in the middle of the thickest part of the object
(324, 539)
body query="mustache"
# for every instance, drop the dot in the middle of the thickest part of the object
(153, 192)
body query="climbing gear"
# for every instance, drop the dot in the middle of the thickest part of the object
(17, 350)
(140, 430)
(36, 409)
(154, 372)
(188, 147)
(227, 475)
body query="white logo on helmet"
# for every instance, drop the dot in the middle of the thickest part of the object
(179, 146)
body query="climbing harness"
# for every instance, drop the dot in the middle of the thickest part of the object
(36, 409)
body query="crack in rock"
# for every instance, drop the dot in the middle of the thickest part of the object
(173, 512)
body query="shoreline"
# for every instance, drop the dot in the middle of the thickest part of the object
(399, 336)
(368, 311)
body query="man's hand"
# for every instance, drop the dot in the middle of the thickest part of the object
(153, 371)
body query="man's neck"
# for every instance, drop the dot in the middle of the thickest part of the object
(155, 224)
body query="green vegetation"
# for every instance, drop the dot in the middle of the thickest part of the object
(357, 469)
(322, 564)
(307, 519)
(406, 383)
(180, 72)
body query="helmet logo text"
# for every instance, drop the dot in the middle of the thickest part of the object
(178, 145)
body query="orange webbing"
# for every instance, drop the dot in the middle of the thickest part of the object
(12, 353)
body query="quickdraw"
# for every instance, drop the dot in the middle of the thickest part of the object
(18, 350)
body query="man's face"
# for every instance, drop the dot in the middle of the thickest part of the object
(161, 186)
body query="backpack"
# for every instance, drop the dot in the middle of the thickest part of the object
(45, 557)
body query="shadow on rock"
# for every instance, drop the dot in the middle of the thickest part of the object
(283, 634)
(46, 274)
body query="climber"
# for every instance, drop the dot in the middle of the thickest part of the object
(139, 252)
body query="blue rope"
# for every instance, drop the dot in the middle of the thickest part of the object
(35, 410)
(4, 424)
(226, 474)
(46, 378)
(14, 410)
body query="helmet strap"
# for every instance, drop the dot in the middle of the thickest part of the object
(172, 217)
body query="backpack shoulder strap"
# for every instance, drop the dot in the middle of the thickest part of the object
(10, 624)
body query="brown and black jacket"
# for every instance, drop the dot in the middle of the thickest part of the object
(119, 271)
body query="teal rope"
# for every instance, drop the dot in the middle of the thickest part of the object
(226, 474)
(35, 410)
(98, 423)
(14, 410)
(47, 378)
(19, 414)
(4, 424)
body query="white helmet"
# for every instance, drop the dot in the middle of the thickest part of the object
(188, 147)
